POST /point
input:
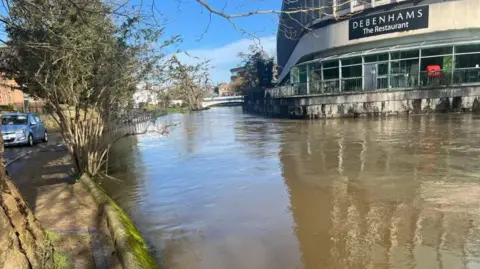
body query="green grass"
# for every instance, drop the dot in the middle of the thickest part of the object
(170, 110)
(159, 113)
(54, 237)
(62, 261)
(176, 110)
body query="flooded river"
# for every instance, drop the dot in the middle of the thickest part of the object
(230, 190)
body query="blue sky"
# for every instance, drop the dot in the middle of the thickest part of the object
(221, 42)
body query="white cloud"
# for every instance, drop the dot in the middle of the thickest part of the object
(222, 59)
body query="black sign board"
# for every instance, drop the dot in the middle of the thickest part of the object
(388, 22)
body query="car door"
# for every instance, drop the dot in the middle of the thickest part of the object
(33, 126)
(40, 127)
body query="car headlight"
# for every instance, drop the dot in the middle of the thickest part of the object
(22, 131)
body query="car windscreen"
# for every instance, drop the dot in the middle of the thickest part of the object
(14, 120)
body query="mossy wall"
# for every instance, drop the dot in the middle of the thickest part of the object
(131, 249)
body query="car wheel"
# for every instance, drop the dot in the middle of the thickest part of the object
(30, 140)
(45, 137)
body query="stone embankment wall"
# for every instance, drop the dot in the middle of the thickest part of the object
(130, 247)
(417, 101)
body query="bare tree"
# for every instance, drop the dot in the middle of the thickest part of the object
(189, 81)
(293, 12)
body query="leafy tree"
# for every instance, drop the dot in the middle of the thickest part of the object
(84, 58)
(257, 70)
(83, 64)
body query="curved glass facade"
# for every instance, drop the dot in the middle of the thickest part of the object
(441, 63)
(321, 14)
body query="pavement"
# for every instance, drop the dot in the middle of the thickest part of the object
(11, 153)
(44, 175)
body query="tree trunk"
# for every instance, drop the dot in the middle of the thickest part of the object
(23, 241)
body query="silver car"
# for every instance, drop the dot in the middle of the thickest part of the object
(22, 129)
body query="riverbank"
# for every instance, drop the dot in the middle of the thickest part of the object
(66, 208)
(436, 99)
(170, 110)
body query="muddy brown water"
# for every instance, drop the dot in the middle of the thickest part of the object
(231, 190)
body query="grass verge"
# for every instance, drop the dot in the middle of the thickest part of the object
(172, 110)
(61, 260)
(164, 111)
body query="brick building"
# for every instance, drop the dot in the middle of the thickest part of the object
(9, 95)
(225, 89)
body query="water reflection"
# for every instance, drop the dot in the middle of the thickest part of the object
(385, 193)
(229, 190)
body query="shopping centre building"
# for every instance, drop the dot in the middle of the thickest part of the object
(346, 46)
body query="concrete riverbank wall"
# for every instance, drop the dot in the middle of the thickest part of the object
(130, 247)
(392, 102)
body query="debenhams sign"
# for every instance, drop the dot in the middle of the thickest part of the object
(389, 22)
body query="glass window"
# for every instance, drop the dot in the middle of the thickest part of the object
(294, 75)
(329, 64)
(14, 120)
(351, 61)
(357, 3)
(405, 67)
(383, 69)
(437, 51)
(467, 61)
(32, 119)
(303, 78)
(405, 54)
(343, 4)
(314, 72)
(445, 62)
(376, 58)
(302, 70)
(328, 7)
(467, 48)
(331, 73)
(352, 71)
(315, 66)
(397, 67)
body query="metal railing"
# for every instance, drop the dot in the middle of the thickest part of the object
(400, 81)
(466, 76)
(382, 83)
(330, 86)
(282, 91)
(352, 84)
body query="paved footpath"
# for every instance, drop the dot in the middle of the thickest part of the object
(44, 176)
(13, 153)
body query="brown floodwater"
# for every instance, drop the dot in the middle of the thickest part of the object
(230, 190)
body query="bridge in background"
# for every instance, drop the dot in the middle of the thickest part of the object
(224, 100)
